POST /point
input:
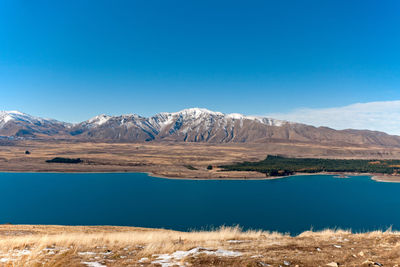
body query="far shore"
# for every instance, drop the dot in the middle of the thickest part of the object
(340, 175)
(172, 160)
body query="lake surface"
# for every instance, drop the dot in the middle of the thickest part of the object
(290, 205)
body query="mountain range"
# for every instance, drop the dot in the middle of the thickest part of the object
(189, 125)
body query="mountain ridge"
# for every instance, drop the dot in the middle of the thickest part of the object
(188, 125)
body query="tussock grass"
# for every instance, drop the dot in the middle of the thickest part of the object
(150, 239)
(143, 243)
(325, 233)
(26, 245)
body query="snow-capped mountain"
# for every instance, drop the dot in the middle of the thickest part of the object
(188, 125)
(125, 127)
(18, 124)
(203, 125)
(191, 125)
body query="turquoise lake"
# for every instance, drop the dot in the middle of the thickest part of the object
(293, 204)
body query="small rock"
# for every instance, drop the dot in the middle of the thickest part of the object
(333, 264)
(368, 262)
(379, 264)
(318, 249)
(361, 254)
(337, 246)
(287, 263)
(256, 256)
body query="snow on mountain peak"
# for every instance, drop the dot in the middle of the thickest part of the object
(186, 119)
(6, 116)
(11, 113)
(15, 115)
(20, 117)
(236, 116)
(197, 112)
(99, 119)
(264, 120)
(15, 112)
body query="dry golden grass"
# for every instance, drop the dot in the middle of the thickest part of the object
(24, 245)
(166, 159)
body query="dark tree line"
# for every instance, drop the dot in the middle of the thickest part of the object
(64, 160)
(281, 166)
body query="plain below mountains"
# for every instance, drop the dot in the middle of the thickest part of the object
(189, 125)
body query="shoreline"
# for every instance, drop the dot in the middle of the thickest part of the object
(340, 175)
(170, 160)
(56, 228)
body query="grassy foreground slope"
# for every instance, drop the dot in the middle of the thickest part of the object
(280, 166)
(30, 245)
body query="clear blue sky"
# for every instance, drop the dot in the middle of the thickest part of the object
(71, 60)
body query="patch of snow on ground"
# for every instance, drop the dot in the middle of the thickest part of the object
(143, 260)
(167, 260)
(54, 250)
(223, 253)
(87, 253)
(12, 255)
(19, 253)
(93, 264)
(238, 241)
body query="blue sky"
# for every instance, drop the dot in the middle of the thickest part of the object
(71, 60)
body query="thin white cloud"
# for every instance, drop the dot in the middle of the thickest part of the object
(381, 116)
